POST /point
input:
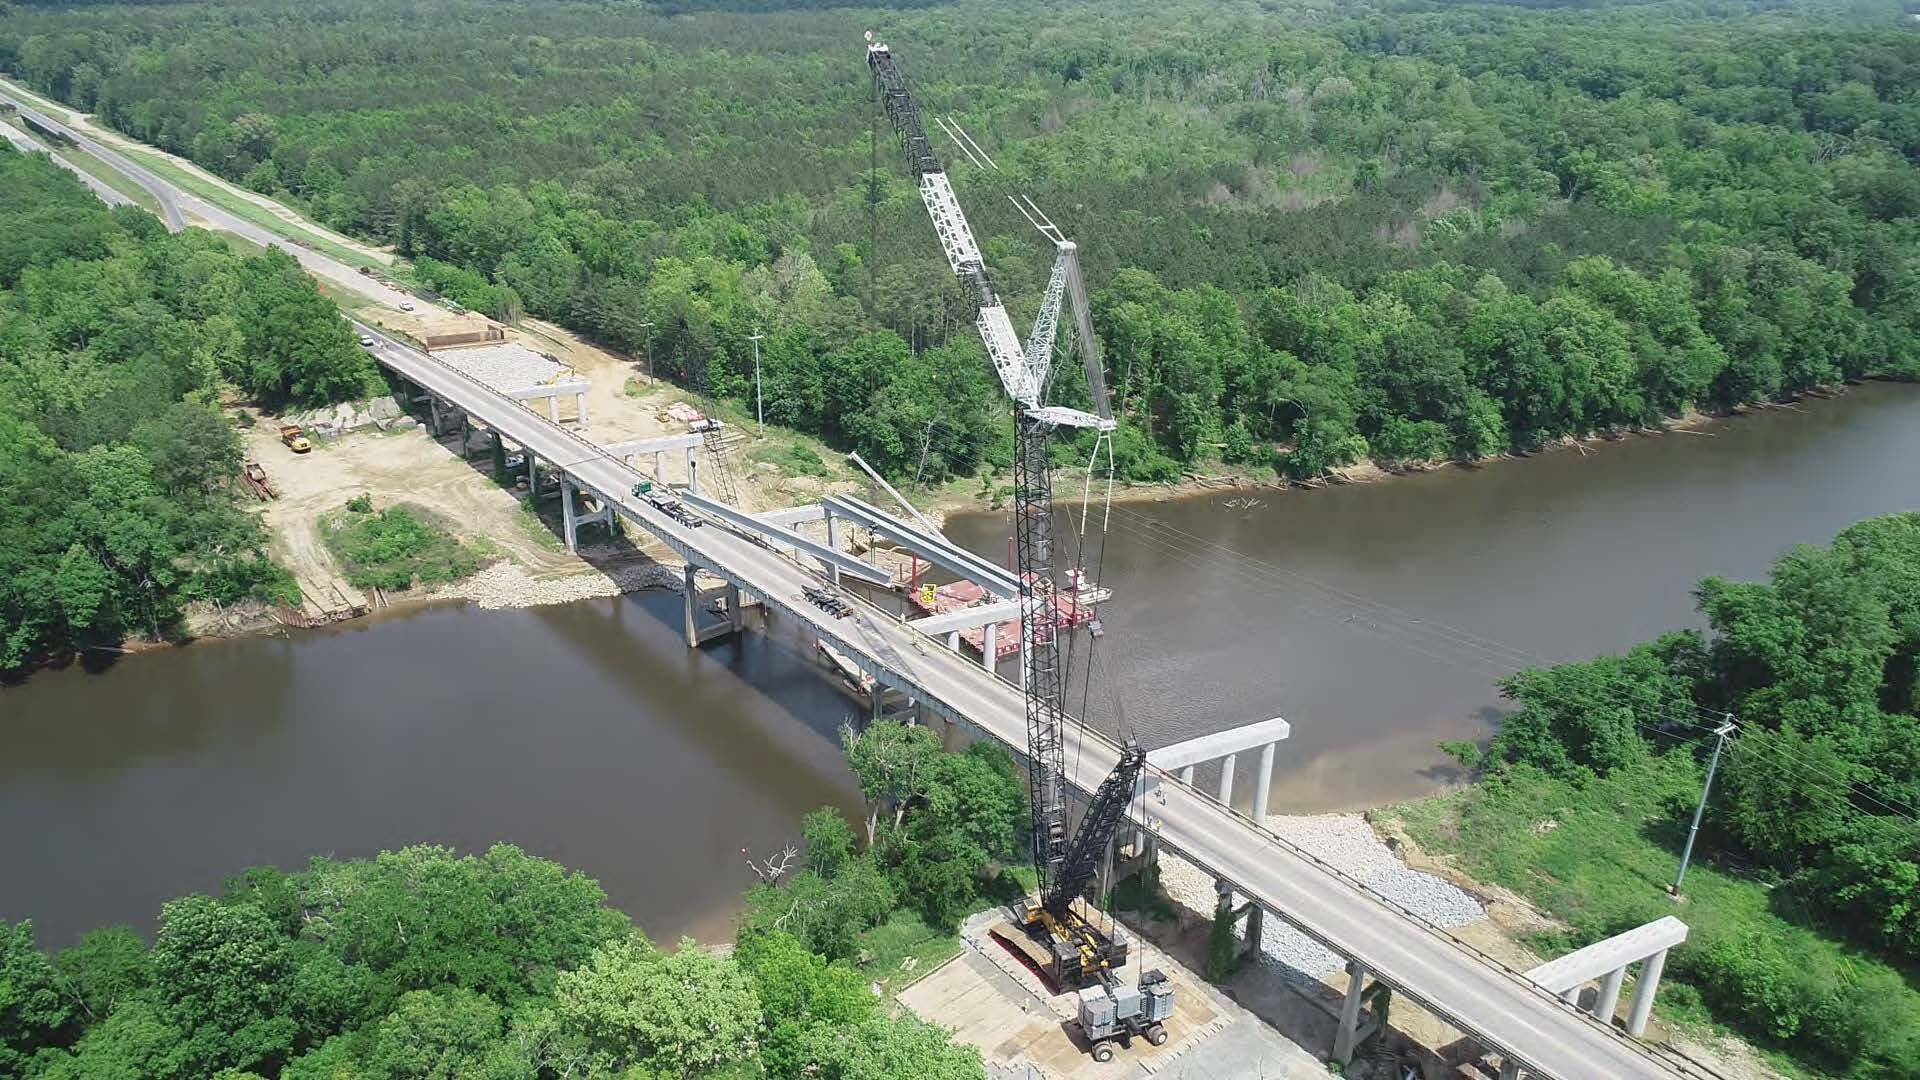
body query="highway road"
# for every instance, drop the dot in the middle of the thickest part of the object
(1495, 1005)
(25, 144)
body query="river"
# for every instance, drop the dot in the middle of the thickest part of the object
(1376, 617)
(585, 733)
(1373, 617)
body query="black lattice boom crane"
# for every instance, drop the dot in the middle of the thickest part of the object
(1081, 952)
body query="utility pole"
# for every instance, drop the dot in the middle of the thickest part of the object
(759, 409)
(1720, 740)
(646, 331)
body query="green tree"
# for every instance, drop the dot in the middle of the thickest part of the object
(687, 1012)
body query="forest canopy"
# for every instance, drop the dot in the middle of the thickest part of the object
(1315, 232)
(117, 502)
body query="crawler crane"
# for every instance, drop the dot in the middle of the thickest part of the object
(1078, 953)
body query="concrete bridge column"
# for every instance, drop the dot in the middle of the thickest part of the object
(1026, 657)
(692, 595)
(1256, 929)
(1263, 784)
(953, 640)
(433, 411)
(833, 542)
(693, 473)
(1186, 776)
(1344, 1037)
(989, 645)
(499, 459)
(1643, 991)
(580, 406)
(553, 408)
(568, 528)
(533, 477)
(1226, 780)
(736, 615)
(659, 466)
(1609, 1000)
(1571, 995)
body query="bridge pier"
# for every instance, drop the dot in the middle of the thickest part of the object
(1347, 1035)
(499, 459)
(572, 518)
(990, 646)
(696, 600)
(833, 541)
(693, 472)
(1643, 991)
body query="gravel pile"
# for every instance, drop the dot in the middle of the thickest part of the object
(1347, 842)
(508, 585)
(505, 367)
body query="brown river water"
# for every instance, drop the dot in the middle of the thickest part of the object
(1375, 618)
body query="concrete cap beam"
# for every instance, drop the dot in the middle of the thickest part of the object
(649, 446)
(793, 515)
(1603, 957)
(535, 393)
(967, 618)
(1219, 744)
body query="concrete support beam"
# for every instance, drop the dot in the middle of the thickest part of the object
(1263, 783)
(580, 406)
(736, 615)
(1609, 1000)
(953, 640)
(1226, 779)
(1643, 990)
(553, 409)
(989, 645)
(1345, 1036)
(692, 595)
(693, 472)
(660, 466)
(1186, 776)
(833, 541)
(568, 529)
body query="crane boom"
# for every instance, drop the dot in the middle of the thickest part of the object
(1024, 374)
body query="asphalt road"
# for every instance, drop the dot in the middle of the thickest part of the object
(25, 144)
(1497, 1006)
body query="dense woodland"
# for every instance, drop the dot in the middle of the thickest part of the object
(425, 963)
(1315, 231)
(116, 462)
(1818, 795)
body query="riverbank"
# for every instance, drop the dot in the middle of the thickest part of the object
(963, 496)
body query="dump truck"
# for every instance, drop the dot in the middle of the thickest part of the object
(295, 437)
